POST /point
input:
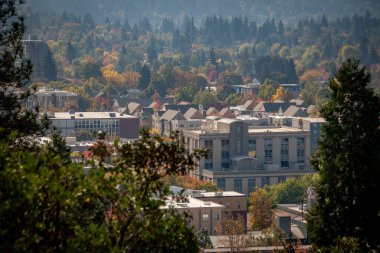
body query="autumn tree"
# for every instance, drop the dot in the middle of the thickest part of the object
(348, 162)
(260, 209)
(234, 229)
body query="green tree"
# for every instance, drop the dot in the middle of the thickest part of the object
(205, 98)
(51, 206)
(89, 68)
(292, 190)
(144, 79)
(50, 67)
(14, 76)
(70, 52)
(267, 90)
(348, 162)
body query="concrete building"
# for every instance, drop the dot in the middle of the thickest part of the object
(46, 98)
(235, 203)
(113, 123)
(242, 158)
(205, 215)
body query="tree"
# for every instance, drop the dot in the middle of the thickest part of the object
(70, 52)
(89, 68)
(14, 76)
(53, 206)
(292, 190)
(348, 162)
(260, 209)
(50, 68)
(280, 94)
(234, 229)
(205, 98)
(144, 79)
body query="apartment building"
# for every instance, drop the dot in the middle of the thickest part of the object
(242, 157)
(112, 123)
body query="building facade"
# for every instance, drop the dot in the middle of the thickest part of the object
(48, 98)
(112, 123)
(242, 158)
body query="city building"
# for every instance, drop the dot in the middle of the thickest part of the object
(47, 99)
(205, 215)
(112, 123)
(235, 203)
(241, 157)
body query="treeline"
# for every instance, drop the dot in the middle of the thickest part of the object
(259, 10)
(115, 53)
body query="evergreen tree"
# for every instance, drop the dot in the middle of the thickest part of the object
(70, 52)
(14, 76)
(50, 67)
(348, 161)
(145, 76)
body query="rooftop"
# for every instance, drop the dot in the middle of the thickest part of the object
(222, 194)
(190, 203)
(91, 115)
(274, 130)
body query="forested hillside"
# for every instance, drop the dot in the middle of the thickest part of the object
(258, 10)
(180, 58)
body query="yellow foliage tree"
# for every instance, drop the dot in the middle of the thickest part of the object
(280, 94)
(260, 209)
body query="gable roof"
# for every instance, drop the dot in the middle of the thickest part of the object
(272, 107)
(294, 111)
(171, 115)
(193, 113)
(132, 107)
(182, 107)
(299, 102)
(212, 111)
(226, 113)
(249, 105)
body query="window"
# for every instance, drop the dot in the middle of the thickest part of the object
(281, 179)
(251, 184)
(300, 141)
(238, 205)
(300, 152)
(225, 154)
(268, 150)
(284, 164)
(208, 144)
(264, 181)
(225, 143)
(221, 183)
(225, 165)
(208, 165)
(216, 216)
(284, 152)
(268, 153)
(205, 217)
(238, 185)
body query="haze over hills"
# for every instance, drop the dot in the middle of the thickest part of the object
(258, 10)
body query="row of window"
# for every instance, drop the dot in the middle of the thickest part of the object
(205, 216)
(238, 183)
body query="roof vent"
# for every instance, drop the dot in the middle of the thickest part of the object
(112, 114)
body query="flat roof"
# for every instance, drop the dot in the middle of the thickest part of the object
(275, 130)
(227, 120)
(222, 194)
(91, 115)
(191, 203)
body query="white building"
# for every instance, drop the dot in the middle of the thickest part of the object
(112, 123)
